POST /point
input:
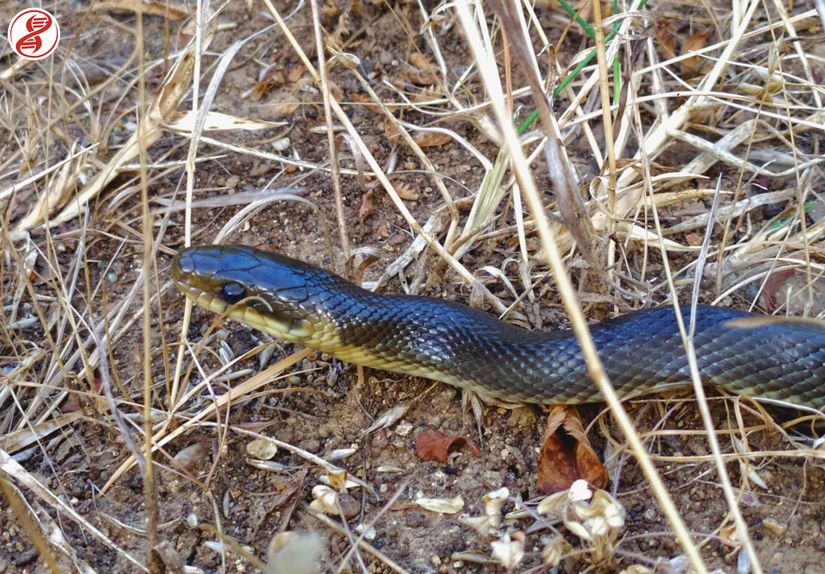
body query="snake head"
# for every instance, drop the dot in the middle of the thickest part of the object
(265, 290)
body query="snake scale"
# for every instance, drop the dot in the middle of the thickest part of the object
(776, 361)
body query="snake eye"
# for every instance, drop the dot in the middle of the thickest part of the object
(232, 292)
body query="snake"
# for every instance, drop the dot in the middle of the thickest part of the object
(780, 361)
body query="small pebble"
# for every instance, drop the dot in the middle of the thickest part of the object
(310, 445)
(349, 505)
(379, 439)
(522, 418)
(281, 144)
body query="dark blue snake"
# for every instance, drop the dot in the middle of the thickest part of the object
(770, 359)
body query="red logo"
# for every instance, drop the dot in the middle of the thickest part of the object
(34, 34)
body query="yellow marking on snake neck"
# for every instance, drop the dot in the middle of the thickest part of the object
(326, 340)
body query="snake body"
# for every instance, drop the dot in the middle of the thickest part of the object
(778, 361)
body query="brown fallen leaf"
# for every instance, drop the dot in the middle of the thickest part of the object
(566, 455)
(295, 72)
(768, 300)
(435, 445)
(422, 70)
(431, 139)
(284, 109)
(422, 61)
(391, 131)
(665, 40)
(270, 78)
(405, 192)
(360, 97)
(190, 457)
(336, 39)
(693, 65)
(367, 206)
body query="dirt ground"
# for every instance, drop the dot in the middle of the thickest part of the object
(209, 487)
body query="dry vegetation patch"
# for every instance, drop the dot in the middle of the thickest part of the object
(637, 152)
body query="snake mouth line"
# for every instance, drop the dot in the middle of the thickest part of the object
(292, 331)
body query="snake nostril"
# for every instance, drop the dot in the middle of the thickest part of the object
(232, 292)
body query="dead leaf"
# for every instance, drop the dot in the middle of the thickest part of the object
(664, 38)
(566, 455)
(405, 192)
(693, 65)
(338, 479)
(441, 505)
(421, 70)
(327, 501)
(509, 550)
(431, 139)
(193, 455)
(422, 61)
(360, 97)
(269, 79)
(300, 90)
(435, 445)
(772, 288)
(295, 72)
(343, 29)
(774, 527)
(185, 122)
(16, 441)
(367, 206)
(391, 131)
(57, 192)
(284, 109)
(329, 10)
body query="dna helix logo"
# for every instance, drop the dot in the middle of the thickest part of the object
(34, 33)
(31, 42)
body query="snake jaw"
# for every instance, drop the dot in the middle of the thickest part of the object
(292, 330)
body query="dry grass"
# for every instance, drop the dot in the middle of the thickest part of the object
(661, 166)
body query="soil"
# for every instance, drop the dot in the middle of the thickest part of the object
(209, 488)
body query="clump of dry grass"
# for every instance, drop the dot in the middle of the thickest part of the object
(660, 164)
